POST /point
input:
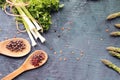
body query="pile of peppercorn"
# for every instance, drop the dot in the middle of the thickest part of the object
(16, 46)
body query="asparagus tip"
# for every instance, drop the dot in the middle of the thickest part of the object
(105, 61)
(109, 48)
(112, 16)
(117, 25)
(112, 53)
(115, 34)
(109, 17)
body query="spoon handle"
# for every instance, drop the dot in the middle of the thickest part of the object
(13, 74)
(0, 47)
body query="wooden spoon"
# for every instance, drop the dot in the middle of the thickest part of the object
(27, 65)
(7, 52)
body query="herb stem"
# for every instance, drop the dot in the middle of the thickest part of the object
(29, 34)
(32, 19)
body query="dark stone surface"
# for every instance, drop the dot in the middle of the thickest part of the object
(87, 23)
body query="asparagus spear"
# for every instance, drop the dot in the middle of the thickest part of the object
(111, 65)
(115, 54)
(115, 49)
(114, 15)
(115, 34)
(117, 25)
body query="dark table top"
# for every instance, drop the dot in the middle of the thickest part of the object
(79, 47)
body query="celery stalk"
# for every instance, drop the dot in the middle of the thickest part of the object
(27, 20)
(32, 19)
(29, 33)
(32, 28)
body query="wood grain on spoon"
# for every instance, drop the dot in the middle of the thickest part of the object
(7, 52)
(26, 65)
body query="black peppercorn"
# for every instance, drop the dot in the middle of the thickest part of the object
(16, 46)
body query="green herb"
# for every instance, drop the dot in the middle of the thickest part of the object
(114, 15)
(34, 14)
(2, 2)
(41, 10)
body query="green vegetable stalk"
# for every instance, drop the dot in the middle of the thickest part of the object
(111, 65)
(115, 34)
(41, 10)
(35, 15)
(115, 54)
(117, 25)
(114, 15)
(29, 33)
(115, 49)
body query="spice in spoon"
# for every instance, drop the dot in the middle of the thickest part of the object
(16, 46)
(37, 59)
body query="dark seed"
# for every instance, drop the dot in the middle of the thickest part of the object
(16, 46)
(36, 59)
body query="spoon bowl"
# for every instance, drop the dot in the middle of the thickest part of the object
(7, 52)
(27, 65)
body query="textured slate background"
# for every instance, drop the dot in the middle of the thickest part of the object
(86, 20)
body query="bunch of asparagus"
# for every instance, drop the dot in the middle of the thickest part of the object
(114, 51)
(112, 16)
